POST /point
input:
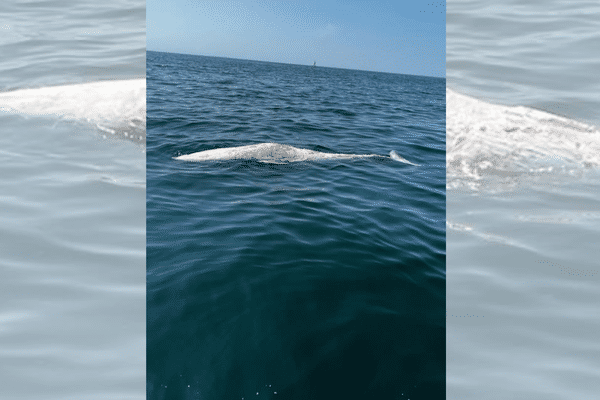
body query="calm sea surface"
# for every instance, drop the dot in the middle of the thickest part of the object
(72, 200)
(523, 200)
(315, 279)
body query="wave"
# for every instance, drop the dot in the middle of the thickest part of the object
(116, 107)
(275, 153)
(490, 145)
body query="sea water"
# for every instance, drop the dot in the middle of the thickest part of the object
(294, 270)
(72, 200)
(523, 185)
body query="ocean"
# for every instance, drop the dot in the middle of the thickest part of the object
(294, 267)
(523, 185)
(72, 200)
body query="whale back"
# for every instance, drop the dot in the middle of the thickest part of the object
(267, 152)
(111, 105)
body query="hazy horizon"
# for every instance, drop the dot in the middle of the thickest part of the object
(285, 63)
(357, 35)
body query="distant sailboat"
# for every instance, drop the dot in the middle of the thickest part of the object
(315, 64)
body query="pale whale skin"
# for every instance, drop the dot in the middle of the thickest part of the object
(274, 153)
(105, 101)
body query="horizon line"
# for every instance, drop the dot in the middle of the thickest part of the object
(289, 63)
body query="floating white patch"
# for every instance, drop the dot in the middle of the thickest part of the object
(273, 153)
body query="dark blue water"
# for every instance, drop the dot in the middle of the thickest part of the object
(321, 279)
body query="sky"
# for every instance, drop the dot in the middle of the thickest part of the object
(377, 35)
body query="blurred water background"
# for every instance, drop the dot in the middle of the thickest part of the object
(72, 199)
(523, 204)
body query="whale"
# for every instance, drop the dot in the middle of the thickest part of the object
(117, 105)
(275, 153)
(498, 147)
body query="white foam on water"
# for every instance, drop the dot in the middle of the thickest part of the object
(274, 153)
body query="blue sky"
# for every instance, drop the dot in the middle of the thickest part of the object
(376, 35)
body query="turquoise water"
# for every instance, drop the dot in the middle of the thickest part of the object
(275, 271)
(72, 200)
(523, 200)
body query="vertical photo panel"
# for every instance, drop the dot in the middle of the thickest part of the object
(523, 158)
(72, 199)
(296, 200)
